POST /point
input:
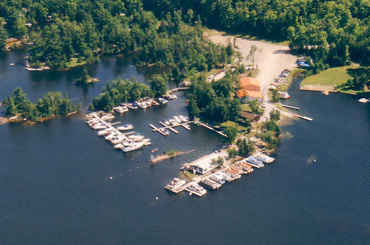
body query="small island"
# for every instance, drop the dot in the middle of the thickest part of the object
(168, 155)
(85, 79)
(20, 108)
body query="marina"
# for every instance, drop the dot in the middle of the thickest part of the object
(127, 142)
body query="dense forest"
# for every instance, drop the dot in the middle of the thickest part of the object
(214, 101)
(331, 32)
(52, 104)
(66, 33)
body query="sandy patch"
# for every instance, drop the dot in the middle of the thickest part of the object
(270, 59)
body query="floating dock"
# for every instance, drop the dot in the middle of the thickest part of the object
(290, 107)
(303, 117)
(214, 130)
(171, 127)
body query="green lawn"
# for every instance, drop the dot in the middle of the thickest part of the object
(233, 124)
(74, 62)
(331, 77)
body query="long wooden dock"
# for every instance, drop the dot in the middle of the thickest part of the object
(303, 117)
(290, 107)
(210, 128)
(155, 129)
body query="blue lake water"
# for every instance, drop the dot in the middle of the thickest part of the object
(55, 186)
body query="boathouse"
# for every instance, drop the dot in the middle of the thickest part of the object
(250, 88)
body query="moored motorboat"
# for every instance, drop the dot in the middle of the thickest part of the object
(364, 100)
(105, 131)
(120, 109)
(125, 127)
(177, 119)
(196, 189)
(132, 147)
(107, 117)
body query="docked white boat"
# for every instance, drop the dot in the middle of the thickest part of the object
(132, 106)
(111, 136)
(108, 117)
(105, 132)
(183, 118)
(99, 126)
(132, 147)
(125, 127)
(196, 189)
(146, 142)
(364, 100)
(117, 140)
(175, 185)
(120, 109)
(177, 119)
(136, 138)
(172, 97)
(173, 122)
(142, 105)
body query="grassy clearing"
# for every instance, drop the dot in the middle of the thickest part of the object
(331, 77)
(245, 107)
(74, 62)
(233, 124)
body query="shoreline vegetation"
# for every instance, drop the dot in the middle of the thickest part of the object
(168, 155)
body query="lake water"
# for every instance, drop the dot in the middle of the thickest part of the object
(55, 186)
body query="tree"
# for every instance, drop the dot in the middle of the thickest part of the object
(231, 133)
(275, 96)
(252, 53)
(220, 160)
(158, 86)
(229, 49)
(275, 115)
(232, 152)
(11, 109)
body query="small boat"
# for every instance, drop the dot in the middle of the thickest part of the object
(154, 102)
(110, 136)
(108, 117)
(177, 119)
(172, 97)
(142, 105)
(117, 140)
(125, 127)
(136, 138)
(183, 119)
(105, 132)
(132, 106)
(364, 100)
(154, 150)
(162, 101)
(11, 64)
(173, 122)
(146, 142)
(99, 126)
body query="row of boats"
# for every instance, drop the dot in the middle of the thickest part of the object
(143, 104)
(126, 142)
(216, 180)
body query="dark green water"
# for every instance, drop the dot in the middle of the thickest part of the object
(55, 186)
